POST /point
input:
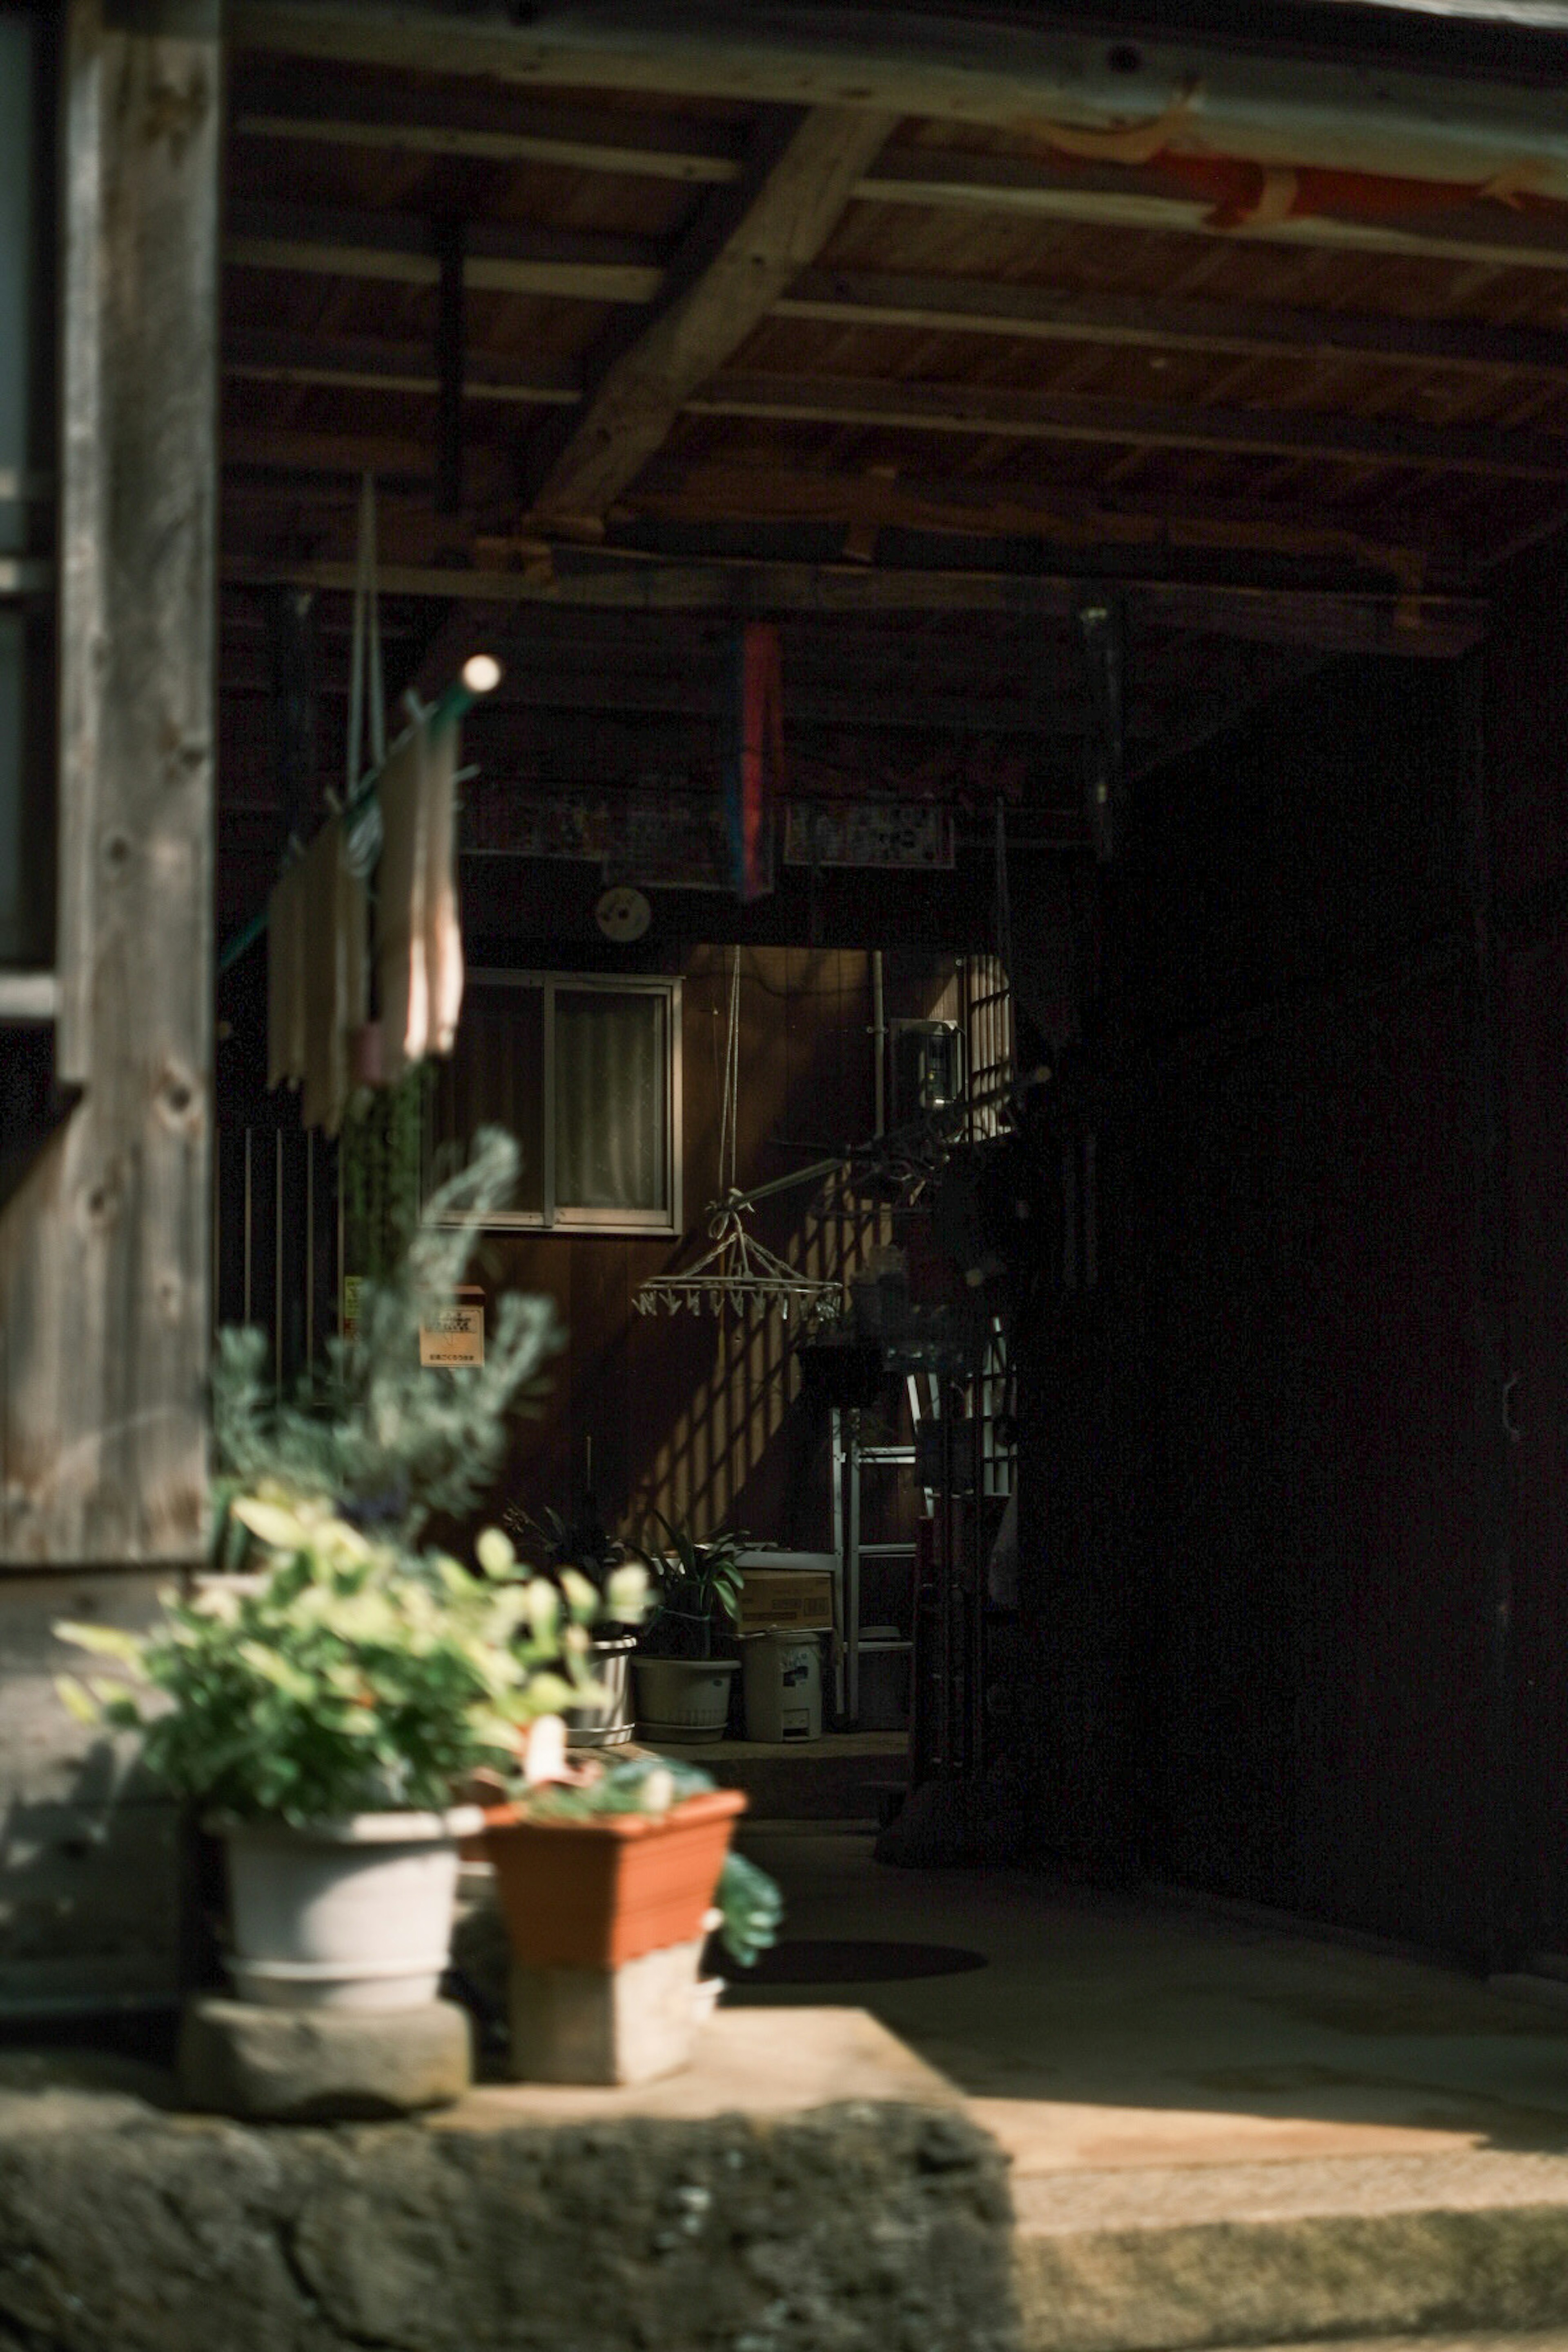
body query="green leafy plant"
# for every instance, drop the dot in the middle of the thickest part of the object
(385, 1440)
(700, 1582)
(342, 1684)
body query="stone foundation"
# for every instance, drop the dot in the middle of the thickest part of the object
(876, 2225)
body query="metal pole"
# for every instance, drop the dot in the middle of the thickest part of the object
(247, 1228)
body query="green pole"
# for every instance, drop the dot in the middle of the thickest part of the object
(450, 706)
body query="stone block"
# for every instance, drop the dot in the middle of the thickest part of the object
(322, 2065)
(628, 2024)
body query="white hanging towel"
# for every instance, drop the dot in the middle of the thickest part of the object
(286, 979)
(418, 944)
(334, 975)
(443, 934)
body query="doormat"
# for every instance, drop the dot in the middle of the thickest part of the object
(806, 1962)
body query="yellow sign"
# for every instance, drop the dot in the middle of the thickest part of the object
(457, 1337)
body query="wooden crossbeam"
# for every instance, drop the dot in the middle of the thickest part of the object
(773, 493)
(877, 405)
(1337, 621)
(745, 247)
(500, 259)
(1193, 95)
(918, 407)
(1493, 234)
(475, 124)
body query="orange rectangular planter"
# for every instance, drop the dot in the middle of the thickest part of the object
(593, 1894)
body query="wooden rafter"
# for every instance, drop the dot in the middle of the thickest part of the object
(917, 407)
(932, 305)
(500, 259)
(769, 493)
(1338, 621)
(745, 247)
(875, 405)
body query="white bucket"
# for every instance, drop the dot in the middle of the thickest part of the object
(355, 1914)
(682, 1699)
(784, 1686)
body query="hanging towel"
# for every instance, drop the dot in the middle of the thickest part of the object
(443, 935)
(418, 944)
(334, 975)
(286, 979)
(400, 909)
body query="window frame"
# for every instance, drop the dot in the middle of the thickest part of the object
(552, 1218)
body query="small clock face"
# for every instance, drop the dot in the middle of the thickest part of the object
(623, 915)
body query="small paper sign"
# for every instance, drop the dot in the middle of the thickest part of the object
(351, 1305)
(456, 1338)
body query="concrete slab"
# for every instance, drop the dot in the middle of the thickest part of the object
(1222, 2132)
(1106, 2033)
(745, 2060)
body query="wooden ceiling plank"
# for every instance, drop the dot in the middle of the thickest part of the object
(740, 254)
(872, 403)
(1334, 620)
(500, 258)
(879, 299)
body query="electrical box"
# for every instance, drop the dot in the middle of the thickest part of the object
(928, 1067)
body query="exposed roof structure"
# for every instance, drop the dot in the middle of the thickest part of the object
(906, 329)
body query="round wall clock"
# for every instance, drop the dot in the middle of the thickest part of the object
(623, 915)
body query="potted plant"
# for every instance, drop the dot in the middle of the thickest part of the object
(606, 1877)
(682, 1689)
(583, 1544)
(323, 1713)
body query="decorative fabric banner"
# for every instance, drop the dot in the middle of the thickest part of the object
(753, 764)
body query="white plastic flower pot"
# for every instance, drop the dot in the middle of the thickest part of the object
(683, 1698)
(354, 1914)
(609, 1723)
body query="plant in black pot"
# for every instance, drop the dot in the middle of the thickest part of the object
(682, 1689)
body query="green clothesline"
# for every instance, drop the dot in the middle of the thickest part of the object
(448, 705)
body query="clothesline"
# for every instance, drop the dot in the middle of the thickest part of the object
(450, 706)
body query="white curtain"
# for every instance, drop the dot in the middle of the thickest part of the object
(609, 1099)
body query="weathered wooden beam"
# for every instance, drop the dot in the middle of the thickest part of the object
(1193, 96)
(930, 305)
(742, 252)
(1109, 196)
(1338, 621)
(500, 259)
(365, 364)
(919, 407)
(105, 1328)
(481, 126)
(713, 491)
(877, 405)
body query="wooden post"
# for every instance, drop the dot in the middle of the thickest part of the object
(104, 1249)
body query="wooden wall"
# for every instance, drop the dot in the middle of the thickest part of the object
(699, 1415)
(1263, 1497)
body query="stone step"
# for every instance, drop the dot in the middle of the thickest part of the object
(1461, 2247)
(838, 1778)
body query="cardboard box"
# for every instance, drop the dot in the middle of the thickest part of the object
(790, 1598)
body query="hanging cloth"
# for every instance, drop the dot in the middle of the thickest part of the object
(334, 960)
(286, 979)
(419, 942)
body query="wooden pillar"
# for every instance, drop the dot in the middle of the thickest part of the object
(104, 1250)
